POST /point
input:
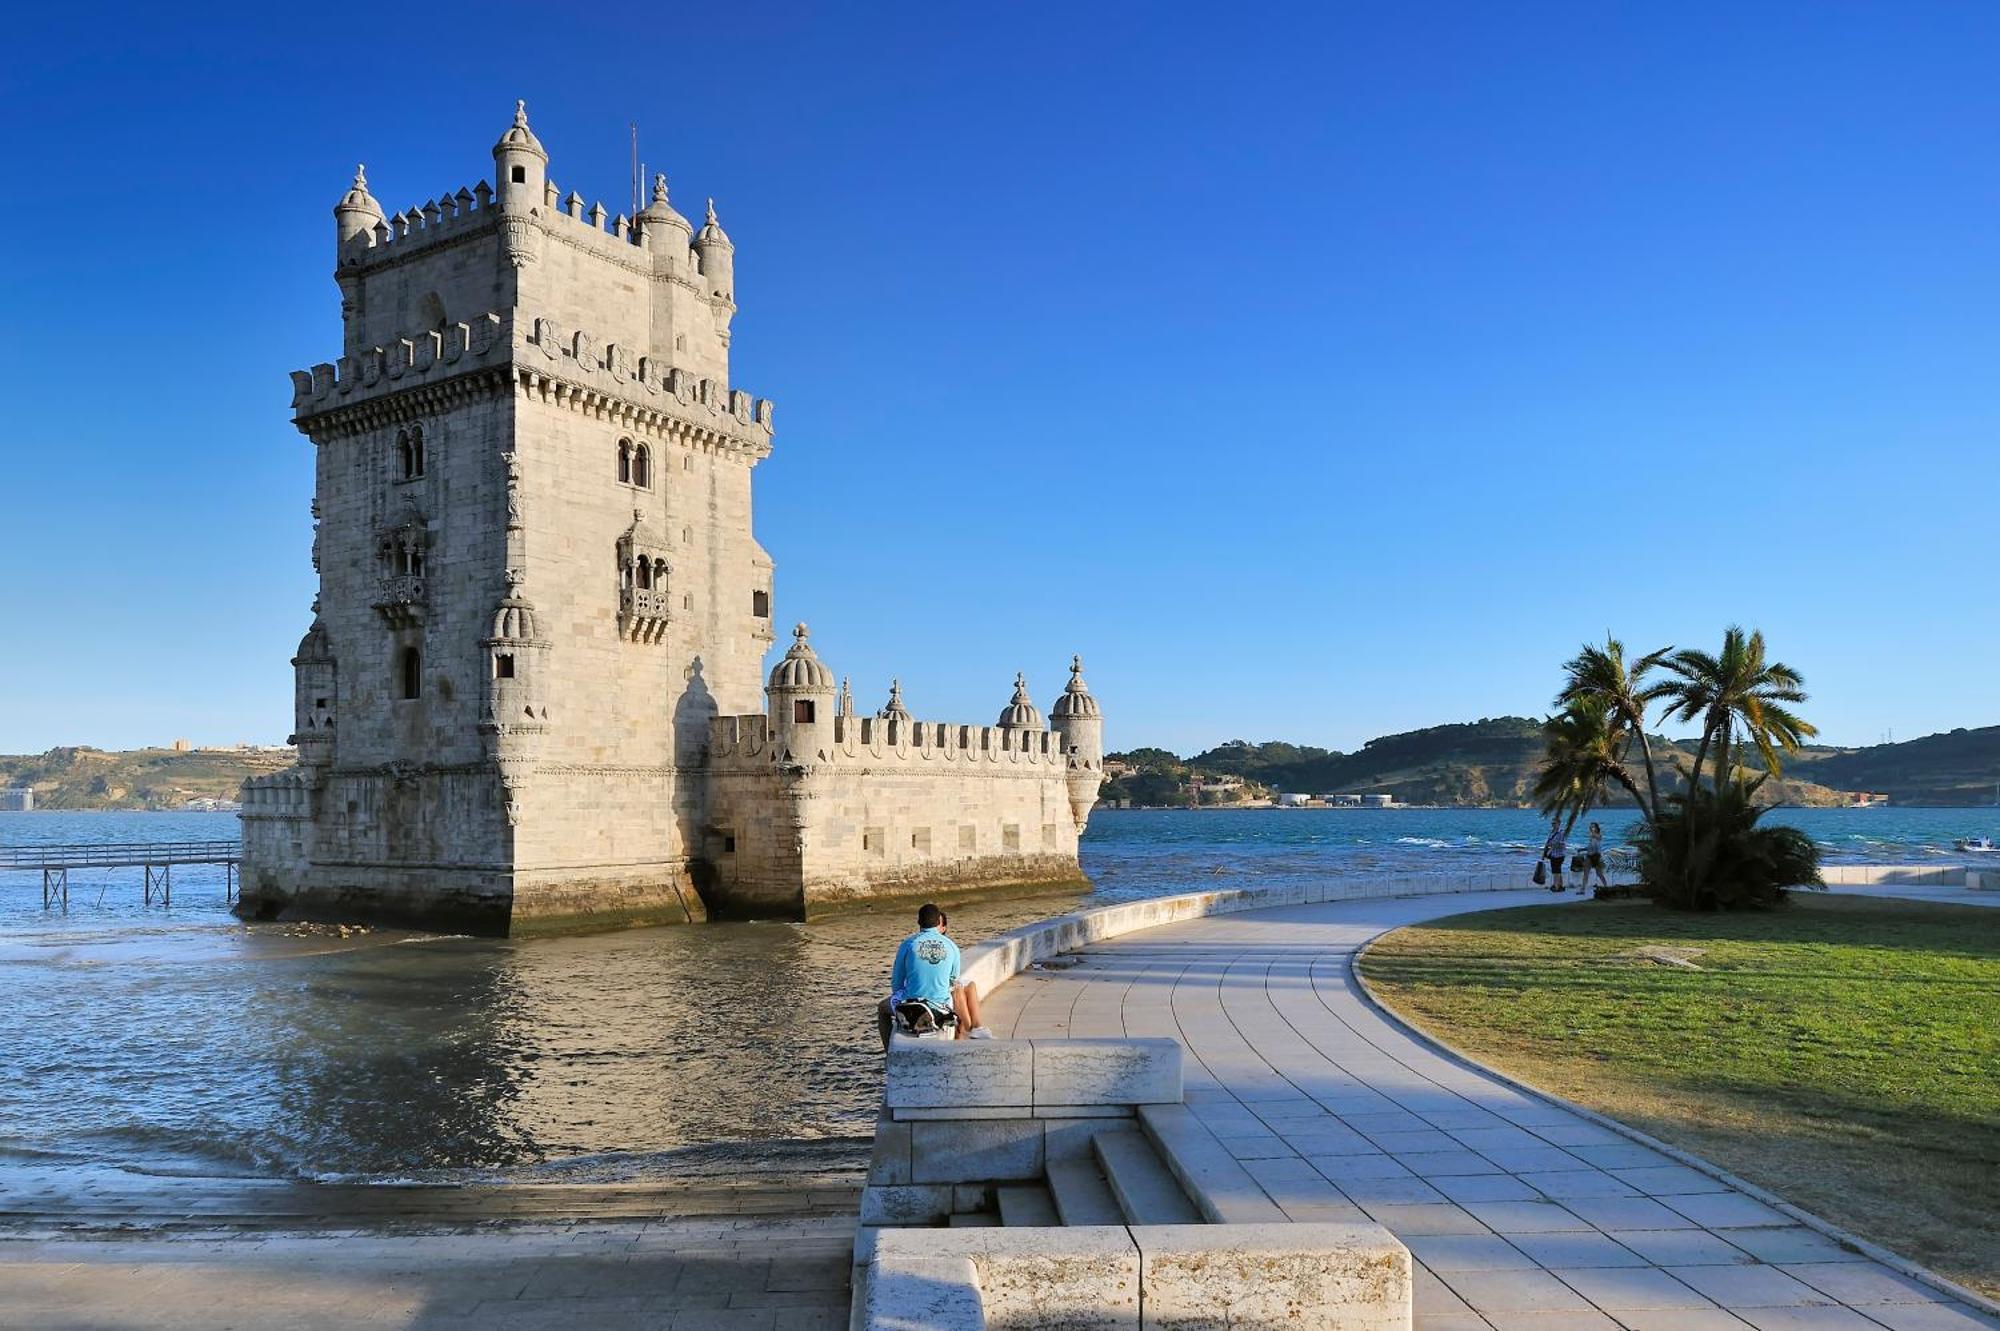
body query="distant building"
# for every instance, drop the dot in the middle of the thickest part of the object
(17, 799)
(1378, 801)
(1294, 801)
(182, 746)
(1342, 801)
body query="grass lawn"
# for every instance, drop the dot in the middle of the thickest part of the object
(1843, 1052)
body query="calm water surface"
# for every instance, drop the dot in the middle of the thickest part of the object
(179, 1041)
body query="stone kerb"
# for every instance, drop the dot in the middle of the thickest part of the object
(997, 960)
(1304, 1277)
(1908, 875)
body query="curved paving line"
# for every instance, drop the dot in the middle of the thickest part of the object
(1874, 1251)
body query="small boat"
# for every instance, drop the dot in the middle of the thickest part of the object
(1976, 845)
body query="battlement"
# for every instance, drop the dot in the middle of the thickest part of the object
(451, 215)
(494, 339)
(408, 361)
(876, 741)
(583, 356)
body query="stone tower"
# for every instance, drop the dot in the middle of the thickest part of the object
(538, 582)
(532, 694)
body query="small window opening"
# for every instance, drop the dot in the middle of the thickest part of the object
(687, 463)
(760, 604)
(625, 461)
(413, 673)
(503, 666)
(729, 845)
(320, 703)
(802, 710)
(642, 467)
(520, 175)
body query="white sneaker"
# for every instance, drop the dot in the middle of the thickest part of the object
(979, 1033)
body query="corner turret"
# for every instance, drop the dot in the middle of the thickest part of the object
(357, 213)
(799, 699)
(1078, 720)
(1020, 713)
(718, 259)
(661, 227)
(520, 164)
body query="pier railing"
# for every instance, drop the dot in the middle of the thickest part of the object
(156, 858)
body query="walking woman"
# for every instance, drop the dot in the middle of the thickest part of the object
(1593, 860)
(1556, 851)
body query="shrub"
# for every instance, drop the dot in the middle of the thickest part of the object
(1706, 851)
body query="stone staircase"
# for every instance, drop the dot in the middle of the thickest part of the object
(1122, 1181)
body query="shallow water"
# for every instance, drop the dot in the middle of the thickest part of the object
(177, 1040)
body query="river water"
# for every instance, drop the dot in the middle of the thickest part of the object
(177, 1041)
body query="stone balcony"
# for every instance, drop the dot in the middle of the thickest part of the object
(643, 613)
(403, 599)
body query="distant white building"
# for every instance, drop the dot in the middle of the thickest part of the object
(1378, 801)
(17, 799)
(1294, 801)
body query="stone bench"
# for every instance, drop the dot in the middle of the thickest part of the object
(1304, 1277)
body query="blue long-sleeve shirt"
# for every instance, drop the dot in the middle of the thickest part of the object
(926, 968)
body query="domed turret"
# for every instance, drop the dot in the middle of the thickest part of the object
(800, 699)
(1020, 713)
(313, 697)
(357, 212)
(894, 710)
(521, 164)
(1076, 700)
(718, 258)
(801, 669)
(661, 226)
(1079, 722)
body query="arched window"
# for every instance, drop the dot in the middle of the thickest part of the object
(642, 467)
(625, 461)
(410, 450)
(643, 572)
(413, 673)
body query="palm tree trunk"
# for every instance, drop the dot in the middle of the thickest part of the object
(1652, 804)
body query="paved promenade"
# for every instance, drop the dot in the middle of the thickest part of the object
(702, 1274)
(1522, 1215)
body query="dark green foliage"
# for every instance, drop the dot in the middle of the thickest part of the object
(1706, 851)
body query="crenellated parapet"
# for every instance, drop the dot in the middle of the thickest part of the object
(279, 795)
(874, 741)
(642, 392)
(422, 358)
(569, 367)
(451, 216)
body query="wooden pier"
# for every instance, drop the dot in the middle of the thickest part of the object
(156, 858)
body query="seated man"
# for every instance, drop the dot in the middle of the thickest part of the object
(926, 971)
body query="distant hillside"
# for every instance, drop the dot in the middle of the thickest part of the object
(1492, 762)
(1959, 767)
(86, 778)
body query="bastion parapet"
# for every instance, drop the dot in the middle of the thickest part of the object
(532, 695)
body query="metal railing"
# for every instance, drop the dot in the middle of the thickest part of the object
(156, 858)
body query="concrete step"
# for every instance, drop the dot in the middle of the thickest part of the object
(1026, 1204)
(1223, 1190)
(973, 1220)
(1081, 1195)
(1146, 1190)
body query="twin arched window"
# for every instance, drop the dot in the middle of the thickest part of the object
(635, 464)
(410, 452)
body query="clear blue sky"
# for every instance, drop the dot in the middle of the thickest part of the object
(1317, 372)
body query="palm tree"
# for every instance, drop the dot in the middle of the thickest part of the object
(1602, 673)
(1736, 688)
(1582, 755)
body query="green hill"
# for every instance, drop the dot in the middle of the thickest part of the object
(85, 778)
(1491, 762)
